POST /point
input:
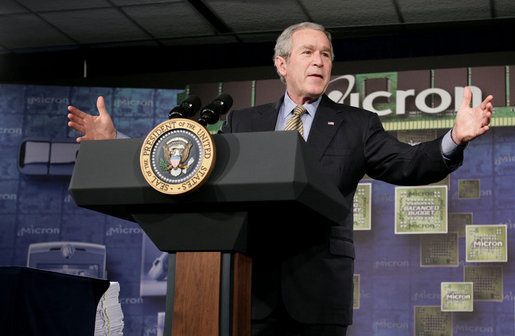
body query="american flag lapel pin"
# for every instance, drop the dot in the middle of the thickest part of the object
(330, 123)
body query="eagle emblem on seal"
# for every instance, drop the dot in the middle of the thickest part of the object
(177, 156)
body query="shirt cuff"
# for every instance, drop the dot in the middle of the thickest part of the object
(449, 147)
(120, 135)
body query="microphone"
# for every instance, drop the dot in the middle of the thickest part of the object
(211, 113)
(186, 109)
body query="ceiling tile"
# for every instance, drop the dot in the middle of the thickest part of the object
(11, 7)
(260, 37)
(96, 25)
(178, 22)
(259, 15)
(29, 31)
(423, 11)
(142, 43)
(141, 2)
(504, 8)
(60, 5)
(337, 13)
(170, 20)
(222, 39)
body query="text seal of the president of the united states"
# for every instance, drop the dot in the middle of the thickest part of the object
(177, 156)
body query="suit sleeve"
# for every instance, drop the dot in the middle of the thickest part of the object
(226, 126)
(395, 162)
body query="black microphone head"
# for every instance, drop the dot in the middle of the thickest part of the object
(192, 102)
(210, 114)
(225, 101)
(187, 108)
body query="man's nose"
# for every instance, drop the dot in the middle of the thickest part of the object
(317, 59)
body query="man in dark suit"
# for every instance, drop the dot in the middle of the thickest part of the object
(309, 292)
(314, 293)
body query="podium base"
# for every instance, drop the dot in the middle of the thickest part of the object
(208, 294)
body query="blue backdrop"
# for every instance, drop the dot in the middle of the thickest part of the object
(38, 209)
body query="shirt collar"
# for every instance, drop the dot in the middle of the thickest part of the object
(289, 105)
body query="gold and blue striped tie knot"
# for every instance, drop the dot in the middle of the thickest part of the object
(295, 123)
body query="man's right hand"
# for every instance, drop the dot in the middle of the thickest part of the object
(99, 127)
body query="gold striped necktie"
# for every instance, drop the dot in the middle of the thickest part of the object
(295, 123)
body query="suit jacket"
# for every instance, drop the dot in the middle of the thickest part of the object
(316, 283)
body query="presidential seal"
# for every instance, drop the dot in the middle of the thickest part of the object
(177, 156)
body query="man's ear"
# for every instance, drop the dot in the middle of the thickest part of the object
(280, 65)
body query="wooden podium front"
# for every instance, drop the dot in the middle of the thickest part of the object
(196, 308)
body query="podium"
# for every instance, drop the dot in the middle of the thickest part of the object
(39, 302)
(265, 195)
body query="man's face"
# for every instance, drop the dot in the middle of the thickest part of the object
(308, 69)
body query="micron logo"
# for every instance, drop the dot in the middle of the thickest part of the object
(31, 230)
(400, 97)
(132, 102)
(487, 243)
(48, 100)
(123, 230)
(457, 297)
(5, 130)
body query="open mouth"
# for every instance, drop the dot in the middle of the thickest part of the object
(317, 76)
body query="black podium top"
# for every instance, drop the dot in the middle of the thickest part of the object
(261, 172)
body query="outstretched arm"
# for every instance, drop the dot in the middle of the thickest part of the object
(471, 123)
(99, 127)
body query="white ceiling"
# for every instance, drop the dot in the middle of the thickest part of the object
(31, 25)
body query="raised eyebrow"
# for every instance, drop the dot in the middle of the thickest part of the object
(327, 49)
(312, 47)
(307, 47)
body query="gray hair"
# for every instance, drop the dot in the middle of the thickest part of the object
(284, 41)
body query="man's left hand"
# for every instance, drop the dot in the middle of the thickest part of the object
(471, 122)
